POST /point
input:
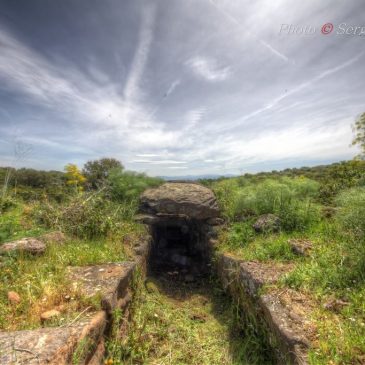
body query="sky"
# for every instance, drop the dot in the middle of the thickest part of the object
(180, 87)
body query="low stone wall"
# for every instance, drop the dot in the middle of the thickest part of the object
(81, 341)
(278, 323)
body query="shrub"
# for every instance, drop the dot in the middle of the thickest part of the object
(6, 203)
(289, 199)
(351, 215)
(127, 186)
(86, 216)
(97, 171)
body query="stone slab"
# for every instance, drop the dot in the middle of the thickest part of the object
(110, 281)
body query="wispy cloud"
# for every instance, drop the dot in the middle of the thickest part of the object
(159, 162)
(238, 24)
(132, 87)
(172, 87)
(208, 69)
(193, 117)
(273, 103)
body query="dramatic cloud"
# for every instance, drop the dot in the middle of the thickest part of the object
(170, 92)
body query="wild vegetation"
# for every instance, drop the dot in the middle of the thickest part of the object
(327, 210)
(95, 214)
(95, 206)
(174, 322)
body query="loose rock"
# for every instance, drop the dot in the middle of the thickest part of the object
(267, 223)
(14, 297)
(301, 247)
(29, 245)
(49, 315)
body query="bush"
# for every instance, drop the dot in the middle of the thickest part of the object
(127, 186)
(87, 216)
(351, 215)
(290, 199)
(6, 203)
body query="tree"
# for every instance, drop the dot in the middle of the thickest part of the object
(359, 139)
(74, 176)
(97, 171)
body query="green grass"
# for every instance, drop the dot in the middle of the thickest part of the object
(15, 224)
(42, 283)
(176, 323)
(241, 240)
(335, 270)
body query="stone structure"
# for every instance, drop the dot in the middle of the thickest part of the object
(183, 220)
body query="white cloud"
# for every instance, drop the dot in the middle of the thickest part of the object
(159, 162)
(264, 114)
(172, 87)
(208, 69)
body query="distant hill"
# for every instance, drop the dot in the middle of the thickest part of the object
(194, 177)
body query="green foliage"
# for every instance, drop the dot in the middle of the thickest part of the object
(31, 185)
(42, 284)
(97, 171)
(127, 185)
(339, 177)
(241, 239)
(86, 216)
(74, 177)
(16, 223)
(291, 199)
(6, 203)
(351, 215)
(239, 235)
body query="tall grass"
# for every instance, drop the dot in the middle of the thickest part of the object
(42, 281)
(291, 199)
(351, 215)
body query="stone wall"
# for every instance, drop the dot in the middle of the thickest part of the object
(278, 324)
(82, 340)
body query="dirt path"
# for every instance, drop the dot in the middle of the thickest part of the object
(176, 323)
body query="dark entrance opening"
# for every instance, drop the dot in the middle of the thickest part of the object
(179, 246)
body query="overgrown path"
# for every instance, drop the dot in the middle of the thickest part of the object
(175, 322)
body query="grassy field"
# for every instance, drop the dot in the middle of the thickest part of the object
(334, 272)
(41, 281)
(99, 227)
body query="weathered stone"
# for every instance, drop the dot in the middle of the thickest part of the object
(54, 346)
(256, 274)
(284, 313)
(215, 221)
(110, 281)
(56, 237)
(187, 199)
(29, 245)
(14, 297)
(289, 333)
(336, 305)
(146, 219)
(50, 315)
(267, 223)
(301, 247)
